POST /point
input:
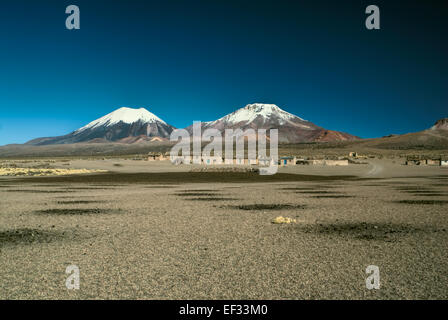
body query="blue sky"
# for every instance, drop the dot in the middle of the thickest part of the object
(199, 60)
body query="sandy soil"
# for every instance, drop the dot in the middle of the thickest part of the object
(214, 239)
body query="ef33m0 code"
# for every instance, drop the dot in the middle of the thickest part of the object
(245, 309)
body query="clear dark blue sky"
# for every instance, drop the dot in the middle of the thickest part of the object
(199, 60)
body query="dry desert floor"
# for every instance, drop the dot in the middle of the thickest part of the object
(157, 231)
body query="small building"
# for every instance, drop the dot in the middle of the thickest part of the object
(210, 160)
(241, 161)
(186, 159)
(152, 156)
(327, 162)
(317, 162)
(253, 162)
(180, 159)
(302, 162)
(415, 161)
(177, 160)
(423, 160)
(433, 162)
(353, 154)
(285, 161)
(157, 156)
(336, 162)
(196, 159)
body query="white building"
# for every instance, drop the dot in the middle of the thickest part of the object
(240, 161)
(209, 160)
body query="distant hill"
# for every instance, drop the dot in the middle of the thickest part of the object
(441, 124)
(434, 138)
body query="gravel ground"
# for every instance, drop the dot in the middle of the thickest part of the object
(216, 240)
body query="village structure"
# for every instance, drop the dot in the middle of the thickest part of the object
(416, 160)
(288, 160)
(260, 161)
(157, 156)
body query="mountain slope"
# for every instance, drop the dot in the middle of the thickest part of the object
(432, 141)
(269, 116)
(441, 124)
(434, 138)
(120, 126)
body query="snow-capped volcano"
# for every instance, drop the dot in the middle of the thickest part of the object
(125, 115)
(262, 111)
(291, 128)
(128, 125)
(120, 125)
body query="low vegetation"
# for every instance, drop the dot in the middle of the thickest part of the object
(27, 236)
(44, 172)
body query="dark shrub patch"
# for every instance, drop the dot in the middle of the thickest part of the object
(267, 207)
(76, 211)
(211, 199)
(195, 194)
(27, 236)
(333, 196)
(422, 201)
(38, 191)
(314, 192)
(79, 201)
(366, 231)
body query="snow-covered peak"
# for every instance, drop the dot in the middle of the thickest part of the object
(126, 115)
(251, 111)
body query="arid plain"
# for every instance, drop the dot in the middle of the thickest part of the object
(151, 230)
